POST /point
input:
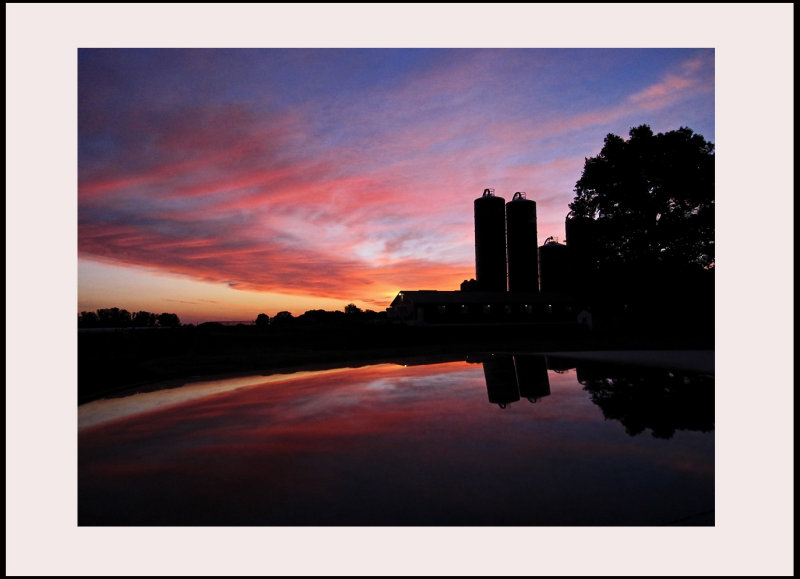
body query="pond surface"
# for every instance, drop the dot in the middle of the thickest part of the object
(495, 440)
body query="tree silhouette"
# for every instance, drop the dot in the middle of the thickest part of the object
(143, 319)
(262, 321)
(113, 318)
(469, 285)
(352, 309)
(282, 317)
(652, 199)
(118, 318)
(88, 320)
(168, 320)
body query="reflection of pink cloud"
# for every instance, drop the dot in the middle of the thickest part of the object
(437, 414)
(292, 417)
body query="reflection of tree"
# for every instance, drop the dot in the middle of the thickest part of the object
(653, 398)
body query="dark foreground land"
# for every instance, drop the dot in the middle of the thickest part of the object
(121, 361)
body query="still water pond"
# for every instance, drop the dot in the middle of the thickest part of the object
(493, 440)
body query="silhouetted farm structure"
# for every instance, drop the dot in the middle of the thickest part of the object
(637, 271)
(518, 282)
(569, 304)
(506, 288)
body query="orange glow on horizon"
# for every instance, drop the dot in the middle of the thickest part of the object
(257, 200)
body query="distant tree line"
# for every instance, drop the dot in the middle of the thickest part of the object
(121, 318)
(351, 313)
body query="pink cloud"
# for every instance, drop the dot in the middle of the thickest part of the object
(381, 202)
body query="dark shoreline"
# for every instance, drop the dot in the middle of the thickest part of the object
(152, 386)
(125, 361)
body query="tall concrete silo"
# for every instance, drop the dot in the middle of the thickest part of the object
(523, 257)
(582, 233)
(490, 242)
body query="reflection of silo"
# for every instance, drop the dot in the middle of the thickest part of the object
(532, 377)
(501, 380)
(523, 260)
(490, 242)
(554, 267)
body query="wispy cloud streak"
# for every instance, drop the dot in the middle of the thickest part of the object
(239, 168)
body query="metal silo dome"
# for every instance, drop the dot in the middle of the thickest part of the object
(523, 259)
(554, 267)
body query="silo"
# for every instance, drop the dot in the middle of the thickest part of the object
(490, 242)
(582, 233)
(532, 378)
(554, 267)
(523, 259)
(501, 380)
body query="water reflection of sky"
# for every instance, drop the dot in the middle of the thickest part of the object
(389, 445)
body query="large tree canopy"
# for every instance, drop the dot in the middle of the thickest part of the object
(652, 199)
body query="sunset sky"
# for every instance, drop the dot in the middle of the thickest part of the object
(221, 183)
(518, 114)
